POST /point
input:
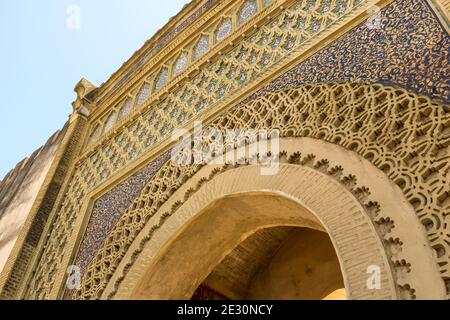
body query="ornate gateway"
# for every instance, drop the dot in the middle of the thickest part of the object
(358, 93)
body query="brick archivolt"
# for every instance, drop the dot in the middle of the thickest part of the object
(402, 134)
(337, 209)
(368, 225)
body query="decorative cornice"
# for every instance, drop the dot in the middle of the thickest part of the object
(107, 100)
(90, 179)
(84, 88)
(218, 51)
(152, 47)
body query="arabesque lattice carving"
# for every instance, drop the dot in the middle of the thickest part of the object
(299, 23)
(403, 134)
(380, 220)
(253, 56)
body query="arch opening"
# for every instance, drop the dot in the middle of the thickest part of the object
(251, 246)
(217, 210)
(279, 263)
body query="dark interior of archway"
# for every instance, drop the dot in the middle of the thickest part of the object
(276, 263)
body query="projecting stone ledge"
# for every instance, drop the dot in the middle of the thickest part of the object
(84, 89)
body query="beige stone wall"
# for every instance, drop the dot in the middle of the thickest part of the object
(284, 263)
(18, 191)
(299, 270)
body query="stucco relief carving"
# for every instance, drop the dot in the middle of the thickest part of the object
(402, 134)
(406, 136)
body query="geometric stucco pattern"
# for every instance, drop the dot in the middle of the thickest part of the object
(315, 168)
(294, 28)
(403, 134)
(217, 181)
(280, 36)
(360, 215)
(352, 60)
(407, 151)
(302, 21)
(418, 75)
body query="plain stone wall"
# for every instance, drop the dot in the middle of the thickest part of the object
(18, 191)
(304, 268)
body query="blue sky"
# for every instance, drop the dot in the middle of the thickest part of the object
(41, 60)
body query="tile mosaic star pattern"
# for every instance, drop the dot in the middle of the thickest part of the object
(110, 121)
(181, 63)
(202, 47)
(125, 109)
(143, 94)
(96, 132)
(298, 23)
(247, 11)
(411, 50)
(224, 30)
(162, 79)
(109, 208)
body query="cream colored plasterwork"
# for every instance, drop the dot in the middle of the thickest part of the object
(414, 273)
(400, 133)
(120, 149)
(136, 138)
(293, 28)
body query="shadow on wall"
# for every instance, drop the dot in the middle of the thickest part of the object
(278, 263)
(18, 191)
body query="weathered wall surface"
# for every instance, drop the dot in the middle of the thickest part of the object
(278, 263)
(19, 189)
(299, 270)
